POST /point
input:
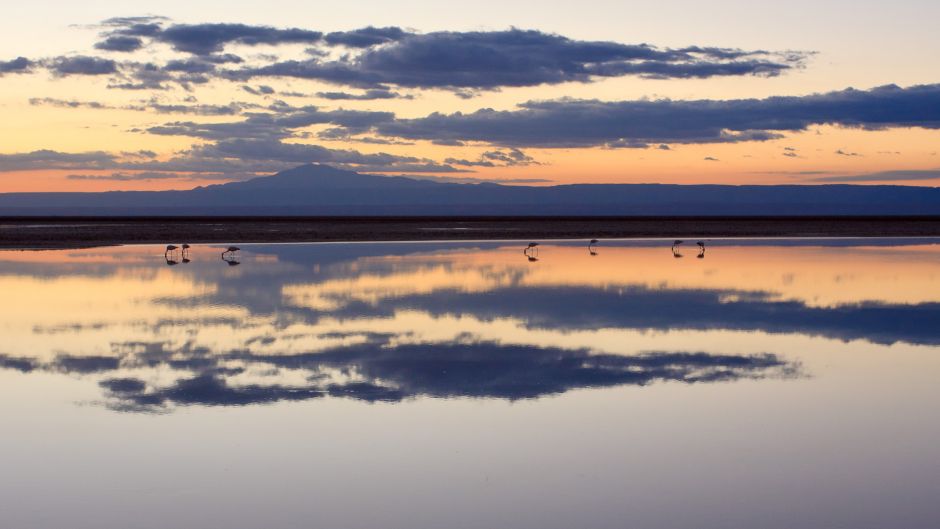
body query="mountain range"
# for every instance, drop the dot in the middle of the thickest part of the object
(325, 190)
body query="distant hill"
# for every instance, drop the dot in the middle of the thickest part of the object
(325, 190)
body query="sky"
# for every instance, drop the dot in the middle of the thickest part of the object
(133, 95)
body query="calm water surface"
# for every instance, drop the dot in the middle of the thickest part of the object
(767, 384)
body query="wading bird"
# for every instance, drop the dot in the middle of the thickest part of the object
(592, 246)
(231, 251)
(701, 248)
(185, 248)
(675, 248)
(169, 248)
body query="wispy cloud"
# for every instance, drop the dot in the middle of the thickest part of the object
(884, 176)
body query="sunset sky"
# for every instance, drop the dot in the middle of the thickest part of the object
(173, 95)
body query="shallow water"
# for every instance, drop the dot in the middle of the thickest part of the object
(772, 384)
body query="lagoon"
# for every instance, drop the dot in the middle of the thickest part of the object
(760, 383)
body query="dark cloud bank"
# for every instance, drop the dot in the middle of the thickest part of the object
(376, 58)
(593, 123)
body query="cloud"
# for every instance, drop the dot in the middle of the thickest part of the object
(397, 372)
(498, 158)
(473, 180)
(365, 96)
(124, 34)
(204, 39)
(884, 176)
(24, 365)
(82, 65)
(593, 123)
(151, 105)
(121, 43)
(279, 124)
(365, 37)
(144, 176)
(486, 60)
(258, 91)
(67, 103)
(840, 152)
(17, 65)
(293, 154)
(48, 159)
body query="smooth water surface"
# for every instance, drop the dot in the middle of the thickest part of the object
(771, 384)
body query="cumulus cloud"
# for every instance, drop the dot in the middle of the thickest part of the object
(82, 65)
(366, 37)
(49, 159)
(483, 60)
(17, 65)
(122, 43)
(276, 125)
(124, 34)
(376, 59)
(498, 158)
(261, 90)
(638, 123)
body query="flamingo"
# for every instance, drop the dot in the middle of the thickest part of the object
(701, 246)
(675, 249)
(170, 248)
(591, 247)
(185, 248)
(231, 250)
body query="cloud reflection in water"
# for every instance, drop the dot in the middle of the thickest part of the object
(391, 322)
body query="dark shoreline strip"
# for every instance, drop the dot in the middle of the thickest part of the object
(71, 232)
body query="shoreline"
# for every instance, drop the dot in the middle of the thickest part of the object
(83, 232)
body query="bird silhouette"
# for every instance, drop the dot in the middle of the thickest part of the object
(675, 248)
(701, 248)
(592, 246)
(185, 248)
(169, 249)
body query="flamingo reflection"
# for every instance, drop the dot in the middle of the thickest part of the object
(230, 256)
(532, 251)
(170, 254)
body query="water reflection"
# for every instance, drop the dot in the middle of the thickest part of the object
(388, 322)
